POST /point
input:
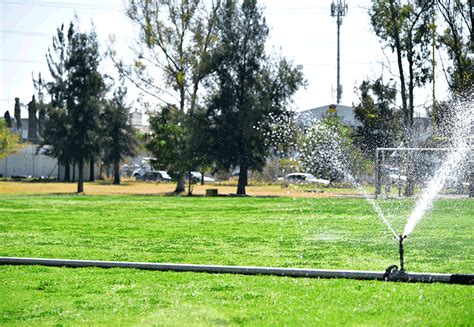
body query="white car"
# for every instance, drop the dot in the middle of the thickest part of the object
(304, 178)
(196, 176)
(394, 175)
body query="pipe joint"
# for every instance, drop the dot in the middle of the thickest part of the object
(393, 274)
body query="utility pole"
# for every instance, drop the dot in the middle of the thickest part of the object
(339, 10)
(471, 57)
(433, 58)
(471, 4)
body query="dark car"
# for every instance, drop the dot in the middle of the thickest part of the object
(156, 176)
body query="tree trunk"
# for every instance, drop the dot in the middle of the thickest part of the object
(242, 181)
(80, 180)
(116, 172)
(101, 171)
(182, 98)
(91, 171)
(378, 174)
(471, 179)
(411, 161)
(202, 178)
(410, 184)
(398, 48)
(67, 172)
(193, 98)
(471, 6)
(73, 172)
(411, 87)
(180, 184)
(190, 184)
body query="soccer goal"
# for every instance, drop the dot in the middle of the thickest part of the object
(399, 170)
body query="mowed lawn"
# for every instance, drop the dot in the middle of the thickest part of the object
(320, 233)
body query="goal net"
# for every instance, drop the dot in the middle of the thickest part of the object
(397, 170)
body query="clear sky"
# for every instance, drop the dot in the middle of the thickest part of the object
(302, 30)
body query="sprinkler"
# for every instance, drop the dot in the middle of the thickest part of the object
(400, 244)
(392, 273)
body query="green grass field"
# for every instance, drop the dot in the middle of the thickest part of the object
(283, 232)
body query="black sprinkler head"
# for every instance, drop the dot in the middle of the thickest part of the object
(400, 243)
(393, 273)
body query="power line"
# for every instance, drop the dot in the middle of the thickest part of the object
(308, 11)
(303, 64)
(70, 5)
(39, 34)
(344, 63)
(22, 61)
(315, 8)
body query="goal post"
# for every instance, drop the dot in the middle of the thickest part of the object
(394, 166)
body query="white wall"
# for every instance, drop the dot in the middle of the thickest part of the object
(27, 162)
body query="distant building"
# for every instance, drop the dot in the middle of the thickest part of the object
(344, 113)
(136, 119)
(30, 161)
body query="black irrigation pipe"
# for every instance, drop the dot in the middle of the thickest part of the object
(467, 279)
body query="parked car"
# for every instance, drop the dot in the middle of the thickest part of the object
(304, 178)
(145, 166)
(155, 175)
(197, 176)
(394, 175)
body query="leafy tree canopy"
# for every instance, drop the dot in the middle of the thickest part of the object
(118, 137)
(173, 58)
(9, 142)
(72, 125)
(376, 112)
(250, 89)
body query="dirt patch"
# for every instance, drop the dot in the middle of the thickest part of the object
(145, 188)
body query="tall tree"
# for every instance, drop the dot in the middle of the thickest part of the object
(457, 38)
(56, 125)
(56, 57)
(176, 37)
(77, 88)
(118, 135)
(84, 93)
(40, 87)
(56, 137)
(376, 112)
(167, 140)
(250, 89)
(405, 27)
